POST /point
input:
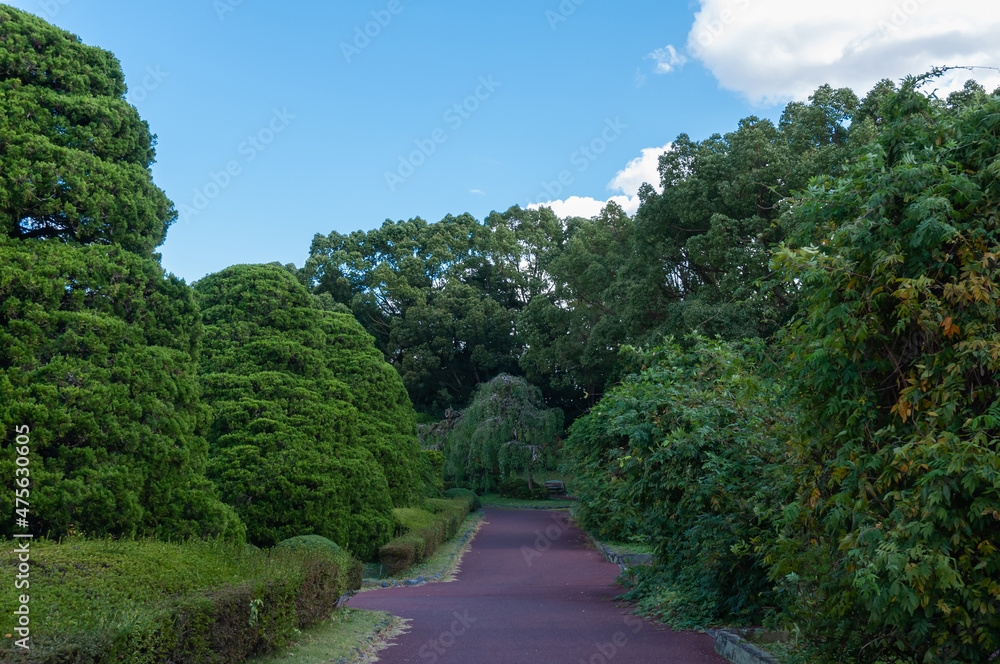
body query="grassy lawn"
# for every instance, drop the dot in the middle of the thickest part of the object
(494, 500)
(444, 561)
(630, 547)
(346, 636)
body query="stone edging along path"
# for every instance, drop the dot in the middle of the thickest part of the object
(728, 644)
(738, 650)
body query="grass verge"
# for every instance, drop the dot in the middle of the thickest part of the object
(349, 636)
(630, 547)
(496, 500)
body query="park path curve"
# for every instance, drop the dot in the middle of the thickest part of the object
(530, 590)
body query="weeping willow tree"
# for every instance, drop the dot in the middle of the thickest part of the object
(506, 429)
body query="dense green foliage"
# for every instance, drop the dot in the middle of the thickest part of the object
(891, 549)
(440, 299)
(505, 430)
(688, 454)
(860, 234)
(309, 542)
(307, 421)
(518, 487)
(148, 602)
(76, 155)
(97, 346)
(889, 492)
(97, 359)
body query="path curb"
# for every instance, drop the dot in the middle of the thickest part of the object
(621, 559)
(738, 650)
(515, 507)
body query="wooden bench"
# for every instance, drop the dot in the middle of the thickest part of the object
(556, 487)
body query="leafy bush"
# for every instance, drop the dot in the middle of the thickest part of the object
(438, 505)
(433, 474)
(516, 487)
(398, 556)
(147, 602)
(891, 550)
(303, 542)
(688, 454)
(411, 518)
(385, 417)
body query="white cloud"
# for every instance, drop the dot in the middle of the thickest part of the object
(627, 182)
(776, 50)
(667, 59)
(585, 206)
(644, 168)
(477, 191)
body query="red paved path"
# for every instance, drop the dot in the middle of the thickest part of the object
(530, 590)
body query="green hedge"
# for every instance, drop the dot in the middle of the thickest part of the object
(466, 493)
(422, 531)
(148, 602)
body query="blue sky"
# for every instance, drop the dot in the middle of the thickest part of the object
(276, 121)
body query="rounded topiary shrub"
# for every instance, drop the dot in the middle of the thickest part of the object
(98, 374)
(291, 452)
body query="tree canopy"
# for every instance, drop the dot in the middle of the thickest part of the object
(442, 299)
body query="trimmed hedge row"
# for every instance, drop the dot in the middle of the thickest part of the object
(421, 531)
(146, 602)
(467, 493)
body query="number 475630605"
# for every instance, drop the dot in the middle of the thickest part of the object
(23, 474)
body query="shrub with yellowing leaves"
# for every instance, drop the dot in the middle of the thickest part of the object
(891, 546)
